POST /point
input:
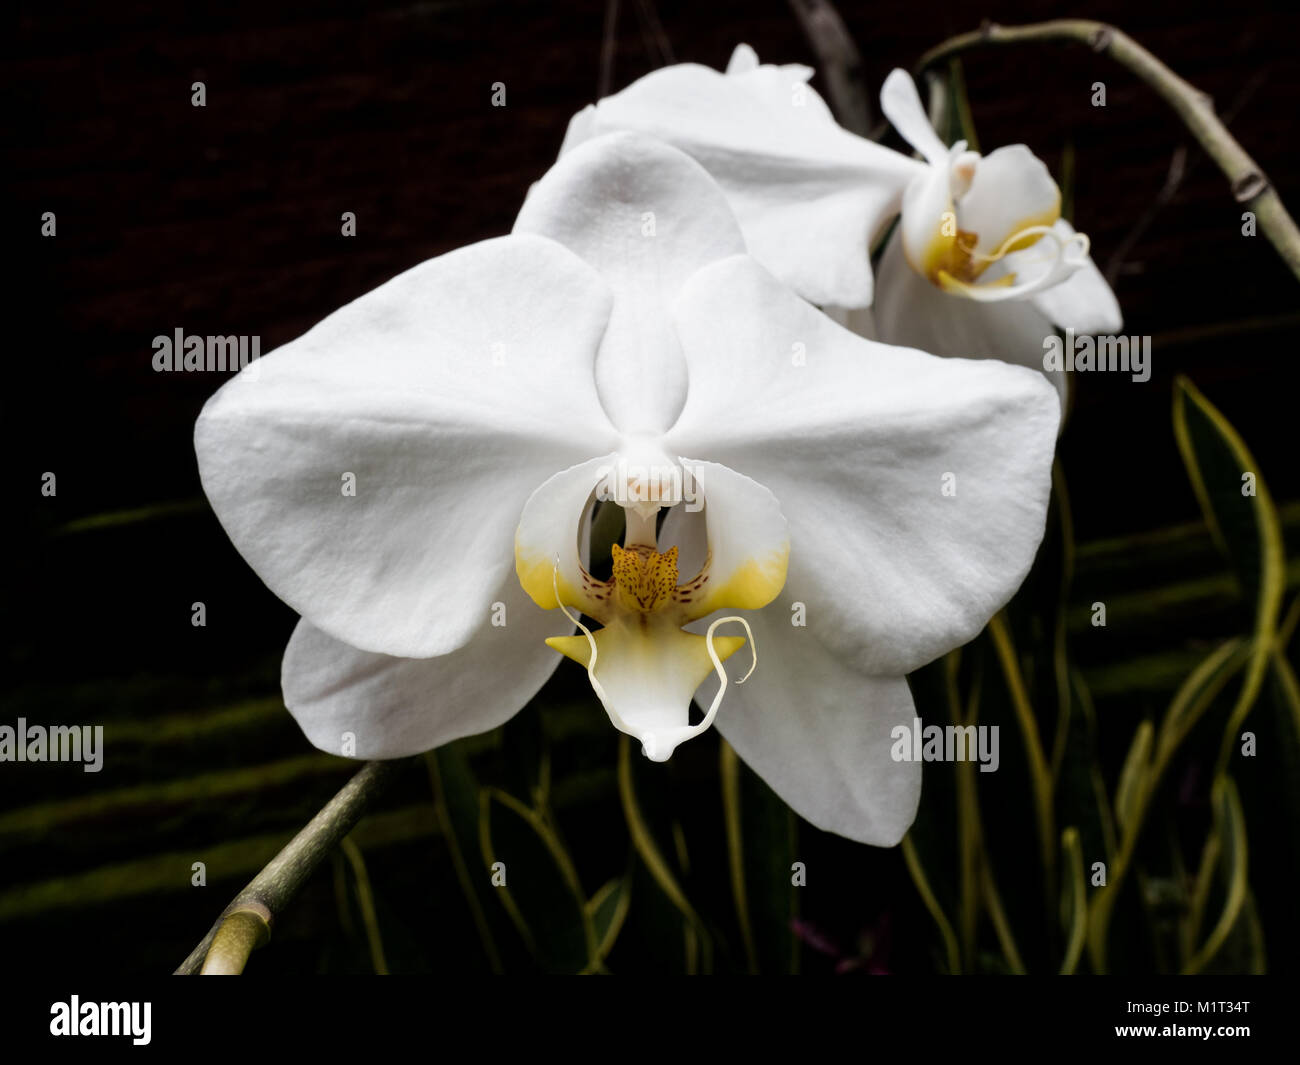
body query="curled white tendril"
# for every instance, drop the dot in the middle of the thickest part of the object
(596, 686)
(1060, 265)
(648, 745)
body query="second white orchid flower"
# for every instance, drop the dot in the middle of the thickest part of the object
(811, 198)
(980, 263)
(415, 476)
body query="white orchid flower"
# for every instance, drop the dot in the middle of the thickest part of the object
(981, 262)
(811, 197)
(621, 341)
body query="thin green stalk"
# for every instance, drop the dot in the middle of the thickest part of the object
(268, 893)
(1231, 827)
(697, 938)
(1060, 658)
(461, 868)
(923, 888)
(366, 903)
(729, 767)
(1040, 774)
(993, 903)
(1078, 916)
(968, 827)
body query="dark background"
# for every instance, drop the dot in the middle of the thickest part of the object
(225, 220)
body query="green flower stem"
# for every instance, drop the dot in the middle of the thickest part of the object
(1040, 773)
(366, 903)
(1078, 911)
(648, 850)
(969, 831)
(231, 939)
(443, 813)
(998, 915)
(1250, 187)
(729, 770)
(917, 871)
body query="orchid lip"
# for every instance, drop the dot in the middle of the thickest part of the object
(643, 663)
(658, 743)
(1069, 255)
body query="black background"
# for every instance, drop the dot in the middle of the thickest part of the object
(225, 219)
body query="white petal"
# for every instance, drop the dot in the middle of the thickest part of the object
(647, 670)
(448, 394)
(912, 312)
(901, 104)
(743, 59)
(1083, 302)
(581, 129)
(810, 196)
(646, 217)
(548, 537)
(928, 227)
(747, 537)
(819, 732)
(776, 87)
(394, 707)
(1012, 190)
(856, 443)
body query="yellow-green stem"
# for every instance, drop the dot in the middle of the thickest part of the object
(273, 888)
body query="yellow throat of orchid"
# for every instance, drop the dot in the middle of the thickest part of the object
(642, 664)
(948, 252)
(952, 262)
